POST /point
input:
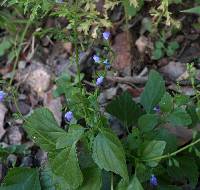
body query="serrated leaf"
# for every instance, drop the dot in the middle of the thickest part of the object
(21, 179)
(147, 122)
(151, 95)
(73, 135)
(166, 103)
(179, 117)
(195, 10)
(151, 150)
(42, 127)
(108, 154)
(92, 179)
(65, 165)
(125, 109)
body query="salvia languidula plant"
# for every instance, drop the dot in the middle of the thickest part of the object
(86, 154)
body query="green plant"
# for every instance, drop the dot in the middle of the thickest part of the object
(162, 47)
(86, 154)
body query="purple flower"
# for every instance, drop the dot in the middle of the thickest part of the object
(106, 35)
(153, 180)
(107, 64)
(69, 116)
(96, 58)
(156, 109)
(99, 81)
(2, 96)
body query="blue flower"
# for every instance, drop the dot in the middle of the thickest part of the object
(69, 116)
(107, 64)
(99, 81)
(156, 109)
(2, 96)
(96, 58)
(153, 180)
(106, 35)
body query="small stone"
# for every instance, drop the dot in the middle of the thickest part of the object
(3, 111)
(41, 157)
(173, 70)
(27, 161)
(14, 135)
(11, 160)
(141, 44)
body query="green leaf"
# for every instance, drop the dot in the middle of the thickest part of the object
(42, 127)
(179, 117)
(151, 150)
(151, 95)
(188, 169)
(147, 122)
(108, 154)
(125, 109)
(65, 165)
(46, 179)
(131, 9)
(4, 45)
(195, 10)
(192, 111)
(181, 99)
(21, 179)
(169, 187)
(92, 179)
(134, 184)
(74, 134)
(166, 103)
(157, 54)
(172, 47)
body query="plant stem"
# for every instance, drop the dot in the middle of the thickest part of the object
(173, 153)
(19, 49)
(111, 186)
(76, 46)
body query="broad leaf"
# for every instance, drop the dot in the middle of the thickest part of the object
(125, 109)
(68, 139)
(166, 103)
(108, 154)
(147, 122)
(133, 185)
(153, 92)
(179, 117)
(21, 179)
(65, 165)
(42, 127)
(151, 150)
(92, 179)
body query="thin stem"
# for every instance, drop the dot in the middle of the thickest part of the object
(19, 50)
(173, 153)
(76, 46)
(111, 186)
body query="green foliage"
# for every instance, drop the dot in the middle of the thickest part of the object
(161, 48)
(108, 154)
(152, 150)
(21, 179)
(151, 95)
(125, 109)
(195, 10)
